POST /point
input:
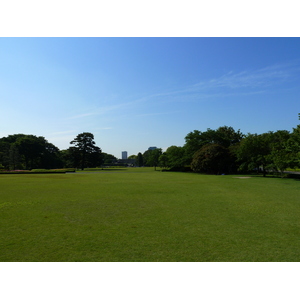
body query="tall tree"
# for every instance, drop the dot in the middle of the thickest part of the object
(14, 157)
(31, 148)
(175, 157)
(71, 158)
(50, 157)
(224, 136)
(139, 159)
(163, 160)
(85, 144)
(254, 152)
(281, 155)
(154, 157)
(151, 157)
(293, 146)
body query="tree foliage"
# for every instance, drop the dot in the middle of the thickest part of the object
(223, 150)
(174, 158)
(254, 152)
(28, 151)
(211, 159)
(108, 158)
(151, 157)
(224, 136)
(85, 152)
(140, 160)
(275, 151)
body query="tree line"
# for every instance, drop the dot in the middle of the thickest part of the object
(219, 151)
(225, 150)
(21, 151)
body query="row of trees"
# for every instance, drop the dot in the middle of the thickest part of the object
(22, 151)
(211, 151)
(223, 150)
(270, 151)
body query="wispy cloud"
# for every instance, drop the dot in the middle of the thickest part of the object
(260, 78)
(105, 109)
(242, 83)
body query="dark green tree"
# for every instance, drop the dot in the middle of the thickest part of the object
(151, 157)
(294, 143)
(95, 158)
(31, 148)
(14, 157)
(175, 157)
(224, 136)
(89, 153)
(281, 154)
(140, 161)
(50, 157)
(4, 153)
(163, 160)
(133, 156)
(154, 157)
(9, 152)
(146, 158)
(108, 159)
(29, 151)
(211, 159)
(254, 152)
(71, 158)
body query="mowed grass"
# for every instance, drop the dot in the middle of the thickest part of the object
(141, 215)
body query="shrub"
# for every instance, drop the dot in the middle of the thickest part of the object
(211, 158)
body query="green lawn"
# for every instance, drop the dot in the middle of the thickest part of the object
(141, 215)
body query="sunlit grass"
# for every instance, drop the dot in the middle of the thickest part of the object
(141, 215)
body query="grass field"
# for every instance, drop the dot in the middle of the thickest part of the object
(141, 215)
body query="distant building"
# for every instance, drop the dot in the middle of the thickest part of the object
(127, 162)
(152, 148)
(124, 155)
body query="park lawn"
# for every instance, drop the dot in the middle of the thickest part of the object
(138, 214)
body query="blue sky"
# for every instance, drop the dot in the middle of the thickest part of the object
(133, 93)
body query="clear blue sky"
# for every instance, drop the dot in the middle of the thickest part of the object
(133, 93)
